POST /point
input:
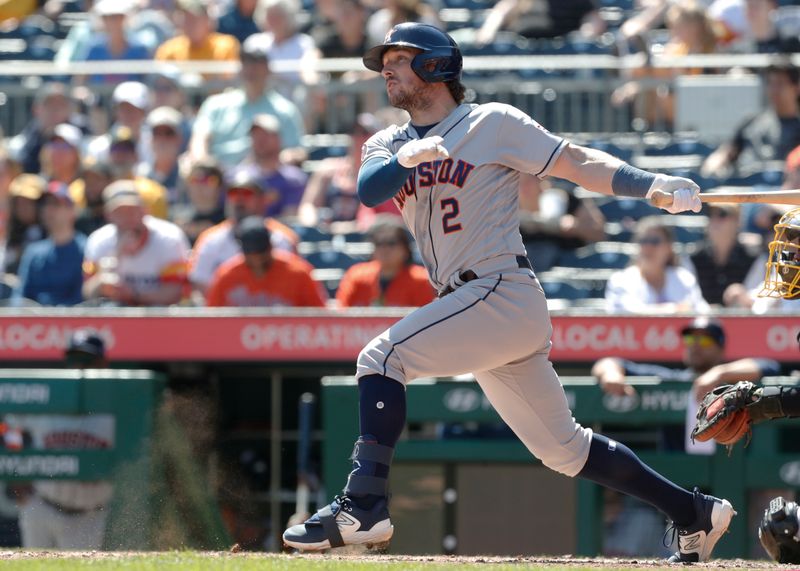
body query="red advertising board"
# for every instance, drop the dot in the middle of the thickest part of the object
(339, 337)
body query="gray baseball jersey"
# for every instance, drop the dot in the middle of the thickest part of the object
(463, 214)
(463, 210)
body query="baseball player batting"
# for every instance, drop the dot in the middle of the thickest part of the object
(453, 171)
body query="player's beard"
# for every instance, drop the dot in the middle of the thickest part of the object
(416, 98)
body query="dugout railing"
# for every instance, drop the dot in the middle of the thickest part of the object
(770, 461)
(569, 93)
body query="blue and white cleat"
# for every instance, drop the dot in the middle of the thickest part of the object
(342, 523)
(697, 541)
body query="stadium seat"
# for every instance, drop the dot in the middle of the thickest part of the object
(589, 257)
(685, 147)
(563, 290)
(619, 209)
(330, 259)
(311, 234)
(764, 178)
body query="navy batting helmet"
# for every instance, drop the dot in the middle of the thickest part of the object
(437, 47)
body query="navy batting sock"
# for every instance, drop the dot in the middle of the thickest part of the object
(615, 466)
(382, 416)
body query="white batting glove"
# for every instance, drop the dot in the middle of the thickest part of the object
(420, 151)
(684, 193)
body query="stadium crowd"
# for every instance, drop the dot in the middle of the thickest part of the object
(128, 188)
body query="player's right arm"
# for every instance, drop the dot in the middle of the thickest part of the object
(383, 172)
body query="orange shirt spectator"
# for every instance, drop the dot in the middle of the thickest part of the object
(199, 41)
(390, 278)
(361, 287)
(255, 278)
(284, 284)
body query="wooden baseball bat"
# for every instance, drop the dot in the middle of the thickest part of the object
(664, 199)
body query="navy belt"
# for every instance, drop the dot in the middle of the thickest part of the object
(468, 275)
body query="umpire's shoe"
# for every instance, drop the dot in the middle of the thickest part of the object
(342, 523)
(696, 541)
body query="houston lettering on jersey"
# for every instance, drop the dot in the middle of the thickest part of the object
(429, 174)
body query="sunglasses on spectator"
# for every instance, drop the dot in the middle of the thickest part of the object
(650, 241)
(240, 193)
(122, 148)
(386, 243)
(205, 178)
(704, 341)
(164, 132)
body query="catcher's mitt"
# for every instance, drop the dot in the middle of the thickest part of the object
(723, 415)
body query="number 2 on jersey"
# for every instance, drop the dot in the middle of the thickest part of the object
(451, 211)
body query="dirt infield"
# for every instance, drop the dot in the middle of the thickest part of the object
(399, 560)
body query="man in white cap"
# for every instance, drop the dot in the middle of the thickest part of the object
(131, 103)
(52, 106)
(165, 124)
(136, 259)
(222, 127)
(115, 44)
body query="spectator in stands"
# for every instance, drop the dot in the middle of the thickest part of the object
(283, 184)
(534, 19)
(123, 159)
(553, 221)
(347, 37)
(396, 12)
(52, 106)
(115, 44)
(17, 9)
(391, 278)
(330, 195)
(61, 154)
(222, 127)
(255, 278)
(768, 31)
(238, 20)
(244, 197)
(23, 222)
(724, 258)
(165, 124)
(705, 367)
(130, 104)
(204, 189)
(136, 259)
(283, 42)
(691, 32)
(770, 135)
(148, 24)
(654, 283)
(50, 272)
(199, 41)
(167, 90)
(96, 176)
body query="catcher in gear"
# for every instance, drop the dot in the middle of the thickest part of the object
(783, 267)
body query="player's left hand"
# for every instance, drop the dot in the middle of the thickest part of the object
(421, 150)
(684, 193)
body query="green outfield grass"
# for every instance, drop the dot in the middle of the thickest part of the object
(190, 561)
